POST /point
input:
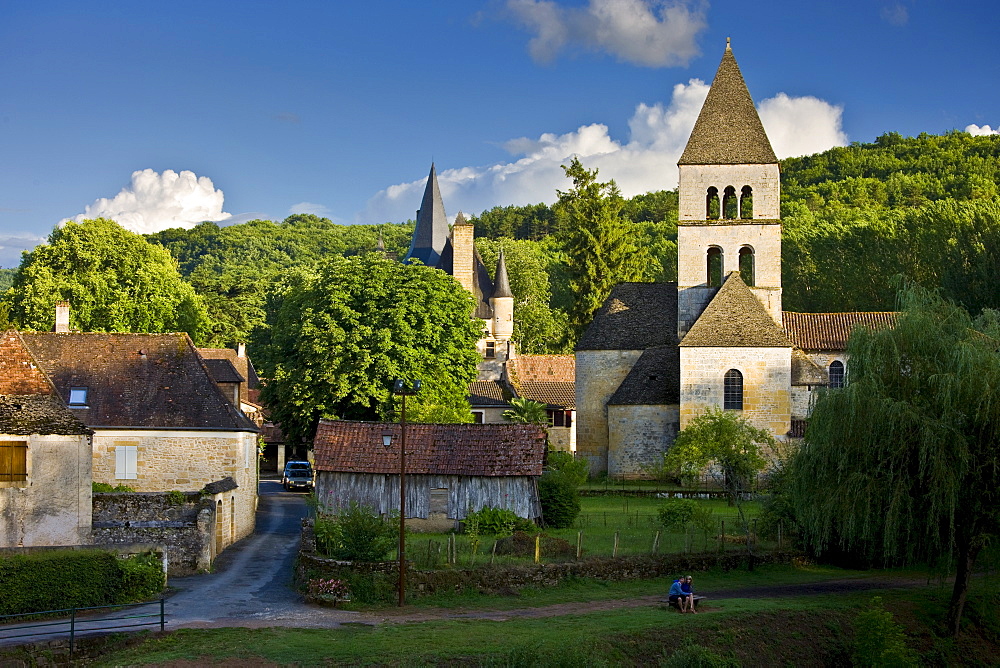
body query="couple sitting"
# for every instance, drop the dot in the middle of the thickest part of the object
(682, 594)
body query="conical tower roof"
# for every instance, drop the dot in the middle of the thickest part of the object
(431, 233)
(728, 130)
(501, 284)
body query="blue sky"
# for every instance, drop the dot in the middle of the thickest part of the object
(186, 111)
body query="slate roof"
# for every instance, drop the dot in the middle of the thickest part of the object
(635, 316)
(492, 450)
(482, 285)
(728, 130)
(735, 318)
(223, 371)
(431, 232)
(805, 371)
(243, 365)
(27, 414)
(501, 286)
(136, 380)
(227, 484)
(830, 331)
(653, 380)
(488, 393)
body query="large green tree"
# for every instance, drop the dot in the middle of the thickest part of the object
(114, 280)
(902, 465)
(336, 339)
(598, 243)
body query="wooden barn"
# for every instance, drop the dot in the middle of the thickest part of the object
(451, 469)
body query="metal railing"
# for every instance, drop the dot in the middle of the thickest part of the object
(75, 625)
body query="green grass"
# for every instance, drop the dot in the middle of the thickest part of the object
(805, 630)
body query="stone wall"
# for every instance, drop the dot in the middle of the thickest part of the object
(598, 375)
(695, 180)
(187, 461)
(51, 507)
(563, 438)
(766, 384)
(638, 436)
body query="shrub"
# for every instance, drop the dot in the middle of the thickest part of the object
(676, 514)
(356, 534)
(59, 579)
(100, 487)
(576, 470)
(879, 640)
(176, 498)
(496, 522)
(560, 500)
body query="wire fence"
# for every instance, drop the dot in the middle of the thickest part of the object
(74, 622)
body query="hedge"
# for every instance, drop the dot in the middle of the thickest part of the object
(59, 579)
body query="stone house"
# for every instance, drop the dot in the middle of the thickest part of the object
(549, 380)
(45, 457)
(159, 421)
(658, 355)
(451, 469)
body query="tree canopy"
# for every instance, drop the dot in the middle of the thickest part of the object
(902, 465)
(335, 340)
(114, 280)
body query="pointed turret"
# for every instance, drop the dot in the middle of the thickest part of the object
(431, 233)
(728, 130)
(502, 302)
(501, 284)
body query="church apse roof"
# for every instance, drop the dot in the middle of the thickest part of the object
(728, 130)
(635, 316)
(735, 318)
(654, 379)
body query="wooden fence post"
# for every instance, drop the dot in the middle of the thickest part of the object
(615, 553)
(579, 544)
(538, 547)
(656, 543)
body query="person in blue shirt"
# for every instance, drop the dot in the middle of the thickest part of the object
(676, 594)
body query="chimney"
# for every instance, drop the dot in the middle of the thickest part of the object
(241, 350)
(62, 317)
(463, 265)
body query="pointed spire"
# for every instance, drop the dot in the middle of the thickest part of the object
(431, 232)
(728, 130)
(380, 246)
(501, 284)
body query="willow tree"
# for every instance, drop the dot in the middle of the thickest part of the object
(902, 465)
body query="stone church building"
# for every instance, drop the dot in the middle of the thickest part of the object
(658, 355)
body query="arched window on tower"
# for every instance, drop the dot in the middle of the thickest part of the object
(714, 266)
(729, 203)
(746, 265)
(836, 374)
(732, 391)
(712, 204)
(746, 203)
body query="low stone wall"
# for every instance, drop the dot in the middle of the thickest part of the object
(504, 580)
(181, 522)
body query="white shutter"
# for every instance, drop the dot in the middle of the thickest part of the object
(126, 462)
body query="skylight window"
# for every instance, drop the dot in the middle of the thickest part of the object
(77, 396)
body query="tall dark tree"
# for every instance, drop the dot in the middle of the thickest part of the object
(597, 241)
(336, 339)
(902, 465)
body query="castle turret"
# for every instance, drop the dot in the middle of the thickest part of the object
(431, 233)
(464, 252)
(502, 302)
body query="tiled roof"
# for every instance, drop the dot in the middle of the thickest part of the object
(542, 368)
(728, 130)
(654, 379)
(735, 318)
(19, 373)
(243, 365)
(136, 380)
(830, 331)
(635, 316)
(438, 449)
(805, 371)
(37, 414)
(223, 371)
(552, 394)
(488, 393)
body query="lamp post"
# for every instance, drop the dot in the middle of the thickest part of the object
(400, 388)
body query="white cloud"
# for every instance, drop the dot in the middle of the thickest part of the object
(154, 202)
(977, 131)
(12, 244)
(654, 33)
(308, 207)
(896, 14)
(648, 161)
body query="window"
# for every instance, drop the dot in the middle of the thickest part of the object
(732, 394)
(729, 203)
(836, 374)
(712, 204)
(746, 265)
(477, 417)
(491, 349)
(77, 396)
(126, 462)
(560, 418)
(13, 461)
(714, 266)
(746, 203)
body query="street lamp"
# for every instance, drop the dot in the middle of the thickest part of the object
(400, 388)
